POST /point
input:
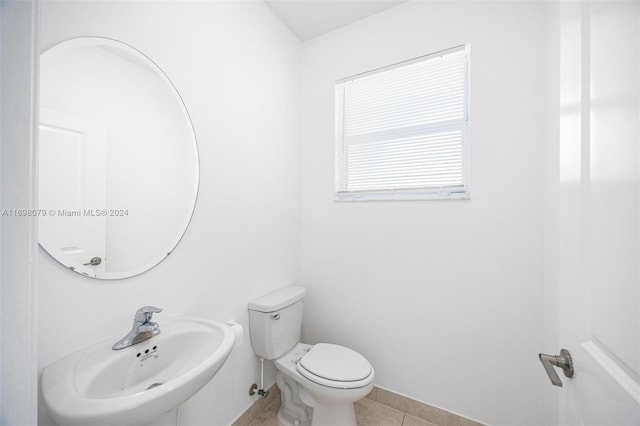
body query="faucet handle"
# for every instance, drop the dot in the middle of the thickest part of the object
(145, 313)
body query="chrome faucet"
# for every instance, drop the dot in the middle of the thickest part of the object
(143, 328)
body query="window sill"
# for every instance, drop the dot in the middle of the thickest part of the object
(402, 196)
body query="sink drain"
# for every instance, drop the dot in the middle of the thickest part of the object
(155, 385)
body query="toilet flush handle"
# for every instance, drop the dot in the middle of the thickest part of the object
(275, 316)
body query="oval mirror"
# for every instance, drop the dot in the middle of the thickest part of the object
(118, 169)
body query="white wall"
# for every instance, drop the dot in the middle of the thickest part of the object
(445, 298)
(236, 67)
(18, 71)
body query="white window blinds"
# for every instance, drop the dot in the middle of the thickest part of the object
(402, 131)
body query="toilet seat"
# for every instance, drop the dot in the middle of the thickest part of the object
(335, 366)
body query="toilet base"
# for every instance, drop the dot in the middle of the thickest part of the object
(302, 408)
(293, 411)
(328, 413)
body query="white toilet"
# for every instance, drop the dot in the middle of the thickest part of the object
(319, 383)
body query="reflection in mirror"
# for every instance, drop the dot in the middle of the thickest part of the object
(118, 160)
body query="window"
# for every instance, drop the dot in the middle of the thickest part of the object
(402, 131)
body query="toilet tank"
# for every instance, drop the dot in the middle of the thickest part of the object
(275, 321)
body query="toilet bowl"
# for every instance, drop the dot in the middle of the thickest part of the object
(319, 383)
(328, 378)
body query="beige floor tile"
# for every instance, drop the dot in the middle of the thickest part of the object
(409, 420)
(267, 421)
(268, 417)
(415, 408)
(388, 410)
(372, 394)
(372, 413)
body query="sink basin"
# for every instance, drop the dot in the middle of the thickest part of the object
(97, 385)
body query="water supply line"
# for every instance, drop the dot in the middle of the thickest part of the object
(254, 387)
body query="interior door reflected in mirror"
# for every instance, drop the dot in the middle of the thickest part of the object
(118, 159)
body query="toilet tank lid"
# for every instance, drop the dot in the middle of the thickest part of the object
(278, 299)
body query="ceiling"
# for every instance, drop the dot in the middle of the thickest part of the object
(312, 18)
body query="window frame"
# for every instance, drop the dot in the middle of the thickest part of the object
(461, 192)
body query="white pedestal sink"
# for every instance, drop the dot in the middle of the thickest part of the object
(139, 384)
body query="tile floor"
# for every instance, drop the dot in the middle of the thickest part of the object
(380, 408)
(368, 413)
